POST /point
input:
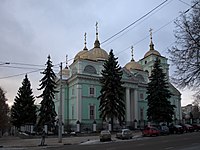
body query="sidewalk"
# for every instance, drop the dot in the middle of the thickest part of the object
(16, 142)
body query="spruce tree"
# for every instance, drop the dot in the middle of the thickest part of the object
(4, 110)
(111, 94)
(47, 111)
(158, 95)
(24, 110)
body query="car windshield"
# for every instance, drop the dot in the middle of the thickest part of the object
(105, 132)
(188, 125)
(126, 132)
(177, 126)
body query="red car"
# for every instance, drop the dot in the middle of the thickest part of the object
(187, 127)
(150, 131)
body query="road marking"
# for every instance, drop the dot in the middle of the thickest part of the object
(169, 148)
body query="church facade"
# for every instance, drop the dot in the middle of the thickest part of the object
(81, 87)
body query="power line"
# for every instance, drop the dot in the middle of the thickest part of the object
(134, 22)
(105, 40)
(142, 20)
(186, 11)
(17, 67)
(184, 3)
(23, 64)
(20, 74)
(130, 25)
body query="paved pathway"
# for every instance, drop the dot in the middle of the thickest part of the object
(11, 142)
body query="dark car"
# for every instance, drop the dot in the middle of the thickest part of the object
(175, 129)
(164, 130)
(105, 135)
(187, 127)
(196, 127)
(150, 131)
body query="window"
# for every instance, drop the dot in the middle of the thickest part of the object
(141, 114)
(92, 113)
(141, 96)
(91, 91)
(90, 69)
(73, 90)
(140, 78)
(72, 111)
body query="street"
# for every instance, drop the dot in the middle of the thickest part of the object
(187, 141)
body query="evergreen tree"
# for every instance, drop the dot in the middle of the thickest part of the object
(24, 110)
(158, 95)
(4, 109)
(47, 111)
(111, 97)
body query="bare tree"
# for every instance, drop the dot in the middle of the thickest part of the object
(185, 54)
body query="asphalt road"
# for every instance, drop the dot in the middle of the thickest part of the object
(187, 141)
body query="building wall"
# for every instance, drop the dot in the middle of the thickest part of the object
(85, 74)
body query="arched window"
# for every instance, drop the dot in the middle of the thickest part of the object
(147, 72)
(90, 69)
(141, 114)
(140, 78)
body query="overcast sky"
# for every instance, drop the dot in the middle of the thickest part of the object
(30, 30)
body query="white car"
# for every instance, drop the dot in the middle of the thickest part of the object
(124, 134)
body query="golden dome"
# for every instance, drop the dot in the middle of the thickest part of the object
(81, 55)
(97, 54)
(151, 51)
(133, 65)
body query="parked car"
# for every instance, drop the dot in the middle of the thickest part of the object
(187, 127)
(175, 129)
(124, 134)
(164, 130)
(105, 135)
(150, 131)
(196, 127)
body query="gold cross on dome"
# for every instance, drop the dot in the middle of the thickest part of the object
(85, 37)
(96, 27)
(150, 30)
(132, 52)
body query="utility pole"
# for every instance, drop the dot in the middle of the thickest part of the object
(60, 109)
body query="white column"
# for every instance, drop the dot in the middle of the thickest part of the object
(136, 104)
(32, 129)
(109, 127)
(78, 127)
(128, 113)
(79, 102)
(94, 127)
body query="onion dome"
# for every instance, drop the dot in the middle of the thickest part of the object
(151, 51)
(65, 71)
(83, 53)
(97, 53)
(132, 64)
